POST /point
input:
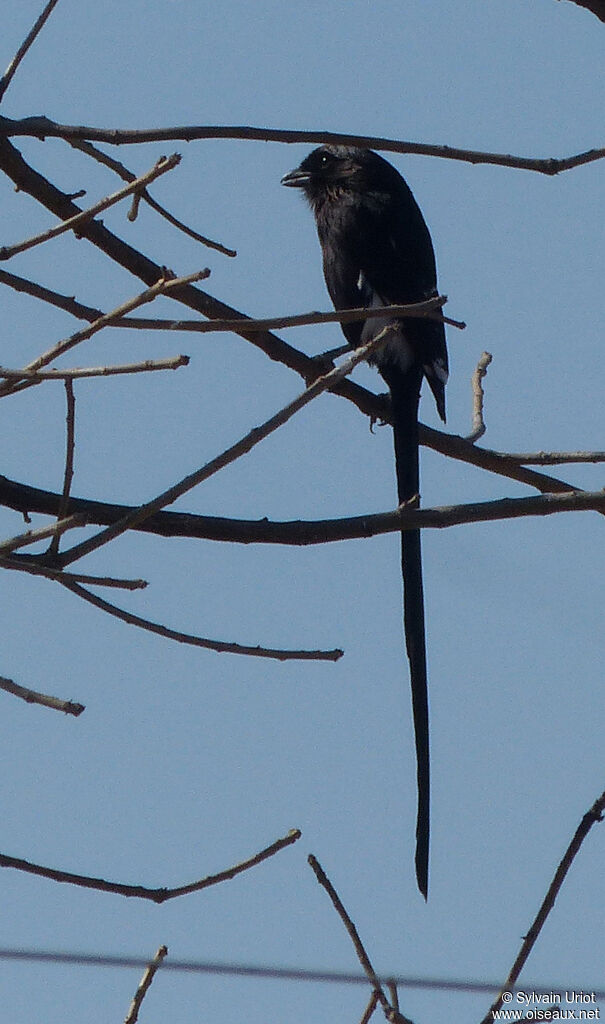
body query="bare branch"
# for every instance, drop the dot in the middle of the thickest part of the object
(478, 426)
(592, 816)
(35, 567)
(554, 458)
(33, 697)
(74, 223)
(362, 956)
(43, 533)
(126, 175)
(8, 75)
(22, 498)
(140, 891)
(70, 445)
(222, 647)
(150, 365)
(43, 127)
(369, 1010)
(161, 287)
(133, 1013)
(235, 451)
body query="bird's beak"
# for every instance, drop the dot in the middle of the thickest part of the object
(296, 179)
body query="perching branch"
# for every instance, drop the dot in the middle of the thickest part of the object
(592, 816)
(142, 892)
(33, 697)
(43, 127)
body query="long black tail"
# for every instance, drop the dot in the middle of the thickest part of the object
(405, 394)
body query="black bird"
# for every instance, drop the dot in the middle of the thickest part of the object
(377, 251)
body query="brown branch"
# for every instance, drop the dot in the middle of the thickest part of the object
(126, 175)
(478, 425)
(43, 533)
(35, 567)
(592, 816)
(8, 75)
(83, 216)
(22, 498)
(140, 891)
(222, 647)
(554, 458)
(369, 1010)
(161, 286)
(235, 451)
(70, 447)
(30, 181)
(43, 127)
(390, 1012)
(133, 1013)
(33, 697)
(77, 372)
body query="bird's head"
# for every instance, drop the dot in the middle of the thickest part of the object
(336, 169)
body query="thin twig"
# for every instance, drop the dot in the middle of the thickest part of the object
(126, 175)
(241, 447)
(362, 956)
(369, 1010)
(33, 697)
(142, 892)
(42, 127)
(553, 458)
(74, 223)
(222, 647)
(161, 287)
(24, 563)
(70, 445)
(7, 77)
(133, 1013)
(43, 533)
(149, 365)
(478, 425)
(592, 816)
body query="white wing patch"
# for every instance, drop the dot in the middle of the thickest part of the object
(437, 369)
(395, 349)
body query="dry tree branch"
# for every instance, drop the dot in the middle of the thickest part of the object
(149, 365)
(553, 458)
(74, 223)
(126, 175)
(22, 498)
(592, 816)
(235, 451)
(161, 286)
(478, 425)
(70, 447)
(369, 1010)
(391, 1013)
(43, 533)
(35, 567)
(41, 127)
(220, 646)
(133, 1013)
(33, 697)
(30, 181)
(141, 891)
(8, 75)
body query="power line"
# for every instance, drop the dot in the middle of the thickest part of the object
(277, 973)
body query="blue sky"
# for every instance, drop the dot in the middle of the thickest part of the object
(185, 761)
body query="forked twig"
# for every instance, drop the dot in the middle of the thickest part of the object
(73, 223)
